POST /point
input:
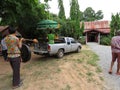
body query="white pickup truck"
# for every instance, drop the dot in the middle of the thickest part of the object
(59, 48)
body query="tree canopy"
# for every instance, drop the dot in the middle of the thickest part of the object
(90, 15)
(23, 14)
(61, 14)
(115, 24)
(74, 10)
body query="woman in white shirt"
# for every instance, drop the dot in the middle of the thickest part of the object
(4, 48)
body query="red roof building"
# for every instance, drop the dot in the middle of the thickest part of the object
(93, 30)
(4, 30)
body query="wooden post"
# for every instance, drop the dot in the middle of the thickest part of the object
(99, 38)
(86, 38)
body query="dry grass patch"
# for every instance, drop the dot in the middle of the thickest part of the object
(75, 71)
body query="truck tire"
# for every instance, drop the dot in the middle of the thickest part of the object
(25, 53)
(60, 53)
(78, 49)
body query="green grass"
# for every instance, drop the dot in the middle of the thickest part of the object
(80, 74)
(101, 78)
(93, 60)
(89, 74)
(98, 70)
(67, 87)
(58, 70)
(90, 79)
(80, 60)
(86, 67)
(90, 57)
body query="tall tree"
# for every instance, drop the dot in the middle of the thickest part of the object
(75, 17)
(47, 0)
(98, 15)
(115, 24)
(22, 13)
(74, 10)
(90, 15)
(61, 14)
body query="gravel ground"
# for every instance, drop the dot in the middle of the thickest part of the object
(112, 82)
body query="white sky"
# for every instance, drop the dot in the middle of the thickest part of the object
(107, 6)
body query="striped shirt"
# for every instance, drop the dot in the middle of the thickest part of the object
(115, 44)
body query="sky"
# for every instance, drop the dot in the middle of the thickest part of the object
(108, 7)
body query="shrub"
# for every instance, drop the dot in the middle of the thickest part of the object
(82, 40)
(105, 40)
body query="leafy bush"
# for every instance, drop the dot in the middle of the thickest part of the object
(105, 40)
(82, 40)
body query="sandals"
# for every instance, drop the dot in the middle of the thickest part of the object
(118, 73)
(14, 87)
(110, 72)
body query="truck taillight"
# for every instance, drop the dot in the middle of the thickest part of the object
(48, 48)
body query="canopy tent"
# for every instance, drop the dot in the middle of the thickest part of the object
(47, 24)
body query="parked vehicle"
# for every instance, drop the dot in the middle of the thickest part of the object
(59, 48)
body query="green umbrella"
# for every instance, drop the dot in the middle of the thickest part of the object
(47, 24)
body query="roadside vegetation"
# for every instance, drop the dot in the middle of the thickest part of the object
(114, 26)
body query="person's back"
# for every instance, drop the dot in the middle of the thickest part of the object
(11, 42)
(51, 38)
(115, 47)
(115, 44)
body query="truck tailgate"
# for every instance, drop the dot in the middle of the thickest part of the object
(40, 49)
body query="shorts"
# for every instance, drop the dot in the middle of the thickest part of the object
(116, 56)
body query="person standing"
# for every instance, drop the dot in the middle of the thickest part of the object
(115, 47)
(4, 48)
(51, 37)
(14, 55)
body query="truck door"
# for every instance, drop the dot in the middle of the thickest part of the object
(74, 45)
(68, 45)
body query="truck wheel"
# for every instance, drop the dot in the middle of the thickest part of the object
(78, 49)
(60, 53)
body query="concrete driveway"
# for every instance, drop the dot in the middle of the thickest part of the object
(112, 82)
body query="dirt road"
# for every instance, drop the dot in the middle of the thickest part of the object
(112, 82)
